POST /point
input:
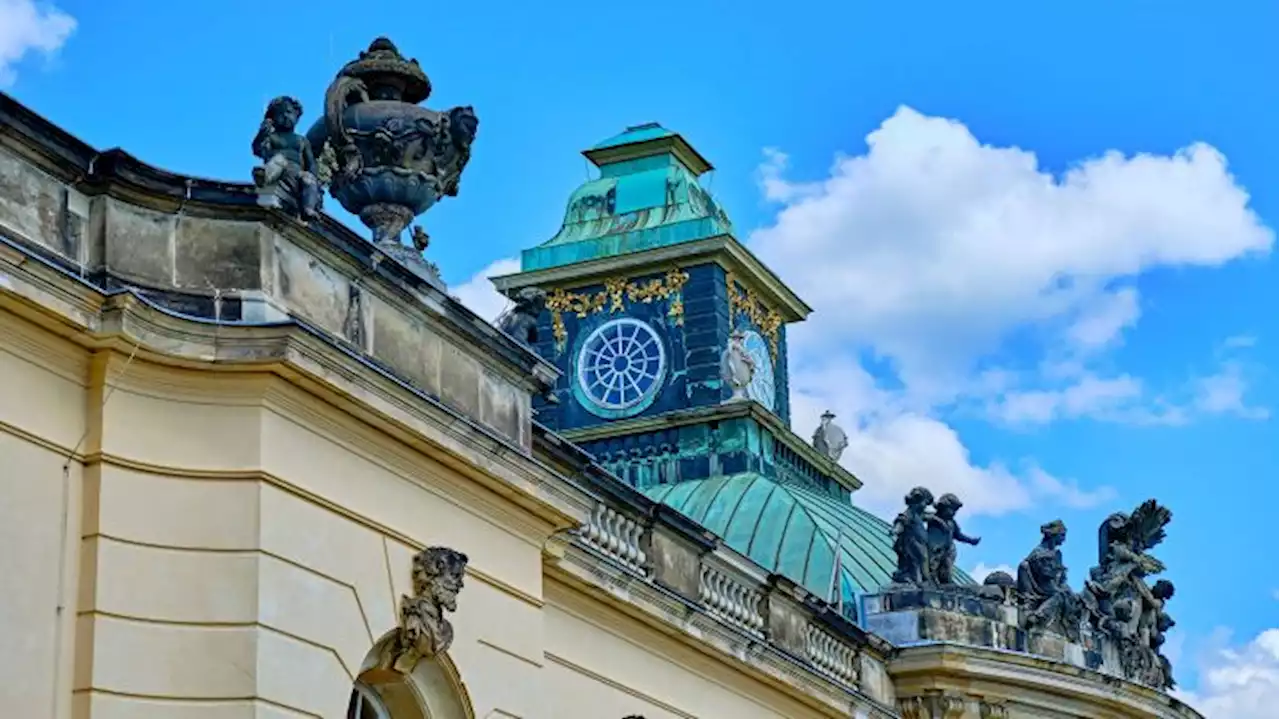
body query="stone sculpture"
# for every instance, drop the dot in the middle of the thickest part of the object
(924, 538)
(1120, 604)
(390, 159)
(829, 438)
(943, 533)
(424, 632)
(911, 540)
(521, 321)
(737, 366)
(1048, 602)
(289, 175)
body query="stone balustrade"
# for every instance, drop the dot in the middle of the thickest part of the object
(832, 655)
(733, 598)
(616, 535)
(653, 546)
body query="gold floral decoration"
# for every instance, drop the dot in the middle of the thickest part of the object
(743, 300)
(616, 289)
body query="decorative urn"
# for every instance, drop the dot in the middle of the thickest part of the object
(390, 159)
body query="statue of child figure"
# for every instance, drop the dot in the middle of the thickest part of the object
(911, 540)
(944, 532)
(289, 169)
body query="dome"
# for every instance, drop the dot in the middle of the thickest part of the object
(793, 531)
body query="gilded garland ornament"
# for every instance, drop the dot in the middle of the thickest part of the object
(617, 291)
(744, 301)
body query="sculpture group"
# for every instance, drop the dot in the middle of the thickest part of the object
(1116, 602)
(380, 154)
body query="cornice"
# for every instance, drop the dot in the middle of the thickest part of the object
(723, 250)
(941, 664)
(582, 571)
(305, 356)
(735, 410)
(120, 175)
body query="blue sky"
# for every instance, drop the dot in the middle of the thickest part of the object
(1002, 307)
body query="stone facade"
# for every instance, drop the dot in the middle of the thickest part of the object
(238, 446)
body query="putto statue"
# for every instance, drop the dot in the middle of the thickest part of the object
(924, 538)
(828, 438)
(1119, 601)
(1048, 602)
(944, 532)
(911, 540)
(424, 631)
(289, 176)
(391, 159)
(737, 367)
(521, 321)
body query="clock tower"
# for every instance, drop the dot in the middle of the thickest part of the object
(645, 284)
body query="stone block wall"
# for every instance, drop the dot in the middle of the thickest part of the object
(237, 263)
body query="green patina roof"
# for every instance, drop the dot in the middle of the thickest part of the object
(634, 134)
(647, 196)
(792, 531)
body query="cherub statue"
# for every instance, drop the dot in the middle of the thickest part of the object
(737, 367)
(289, 169)
(911, 540)
(521, 321)
(424, 631)
(1152, 626)
(828, 438)
(943, 533)
(1048, 601)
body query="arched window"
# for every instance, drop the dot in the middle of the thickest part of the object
(366, 704)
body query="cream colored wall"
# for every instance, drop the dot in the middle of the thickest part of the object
(234, 547)
(601, 663)
(41, 418)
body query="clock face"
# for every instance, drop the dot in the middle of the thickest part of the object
(620, 367)
(761, 388)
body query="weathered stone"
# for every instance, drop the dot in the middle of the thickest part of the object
(786, 621)
(220, 254)
(498, 404)
(460, 381)
(405, 346)
(138, 244)
(31, 202)
(311, 289)
(676, 564)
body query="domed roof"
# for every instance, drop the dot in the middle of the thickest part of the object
(647, 196)
(793, 531)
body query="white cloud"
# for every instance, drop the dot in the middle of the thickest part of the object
(478, 294)
(26, 27)
(1224, 393)
(1238, 681)
(981, 571)
(932, 247)
(933, 252)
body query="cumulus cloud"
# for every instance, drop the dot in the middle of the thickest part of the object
(931, 250)
(478, 294)
(1238, 681)
(27, 27)
(935, 247)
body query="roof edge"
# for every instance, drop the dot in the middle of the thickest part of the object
(724, 250)
(675, 144)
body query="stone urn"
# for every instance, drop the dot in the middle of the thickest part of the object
(390, 159)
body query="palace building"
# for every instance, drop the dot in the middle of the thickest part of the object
(255, 464)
